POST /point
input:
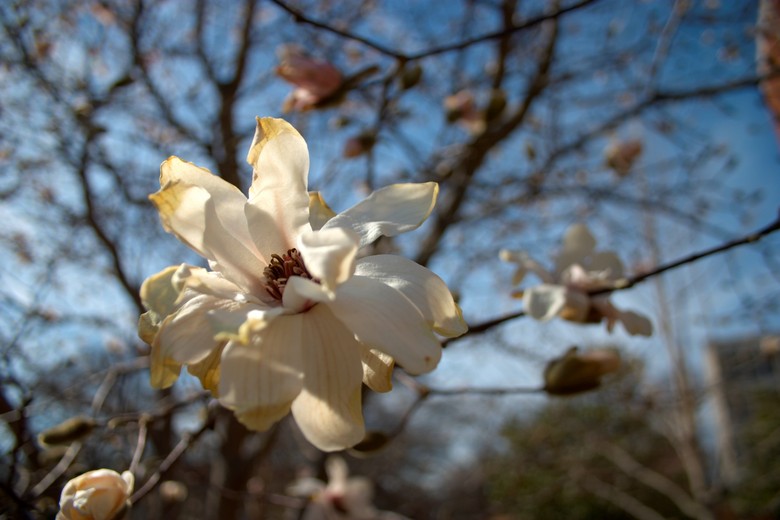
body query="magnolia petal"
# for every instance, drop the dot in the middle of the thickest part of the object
(259, 379)
(207, 370)
(148, 325)
(319, 211)
(426, 291)
(383, 318)
(388, 211)
(329, 255)
(158, 293)
(207, 214)
(208, 282)
(377, 369)
(163, 371)
(578, 243)
(278, 207)
(545, 301)
(301, 293)
(525, 264)
(328, 409)
(260, 418)
(576, 276)
(608, 262)
(189, 335)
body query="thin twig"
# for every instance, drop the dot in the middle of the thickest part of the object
(747, 239)
(495, 35)
(178, 450)
(495, 391)
(140, 445)
(58, 470)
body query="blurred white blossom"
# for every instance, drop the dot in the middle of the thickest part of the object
(579, 268)
(342, 498)
(101, 494)
(288, 319)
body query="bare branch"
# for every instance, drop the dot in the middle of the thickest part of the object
(657, 481)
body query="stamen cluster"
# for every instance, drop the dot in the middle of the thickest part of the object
(281, 268)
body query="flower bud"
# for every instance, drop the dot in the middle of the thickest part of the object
(411, 76)
(68, 431)
(496, 105)
(620, 156)
(574, 373)
(173, 491)
(359, 144)
(101, 494)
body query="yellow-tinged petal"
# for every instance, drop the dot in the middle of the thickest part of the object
(267, 371)
(191, 333)
(163, 371)
(148, 325)
(208, 214)
(158, 293)
(278, 208)
(328, 409)
(208, 370)
(377, 369)
(319, 211)
(261, 418)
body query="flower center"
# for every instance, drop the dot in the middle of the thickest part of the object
(281, 268)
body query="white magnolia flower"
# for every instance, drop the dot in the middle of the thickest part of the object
(342, 498)
(101, 494)
(289, 318)
(579, 268)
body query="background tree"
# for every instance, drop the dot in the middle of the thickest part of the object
(530, 115)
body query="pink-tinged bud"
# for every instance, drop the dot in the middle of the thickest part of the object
(358, 145)
(496, 105)
(462, 109)
(411, 76)
(576, 372)
(316, 80)
(621, 156)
